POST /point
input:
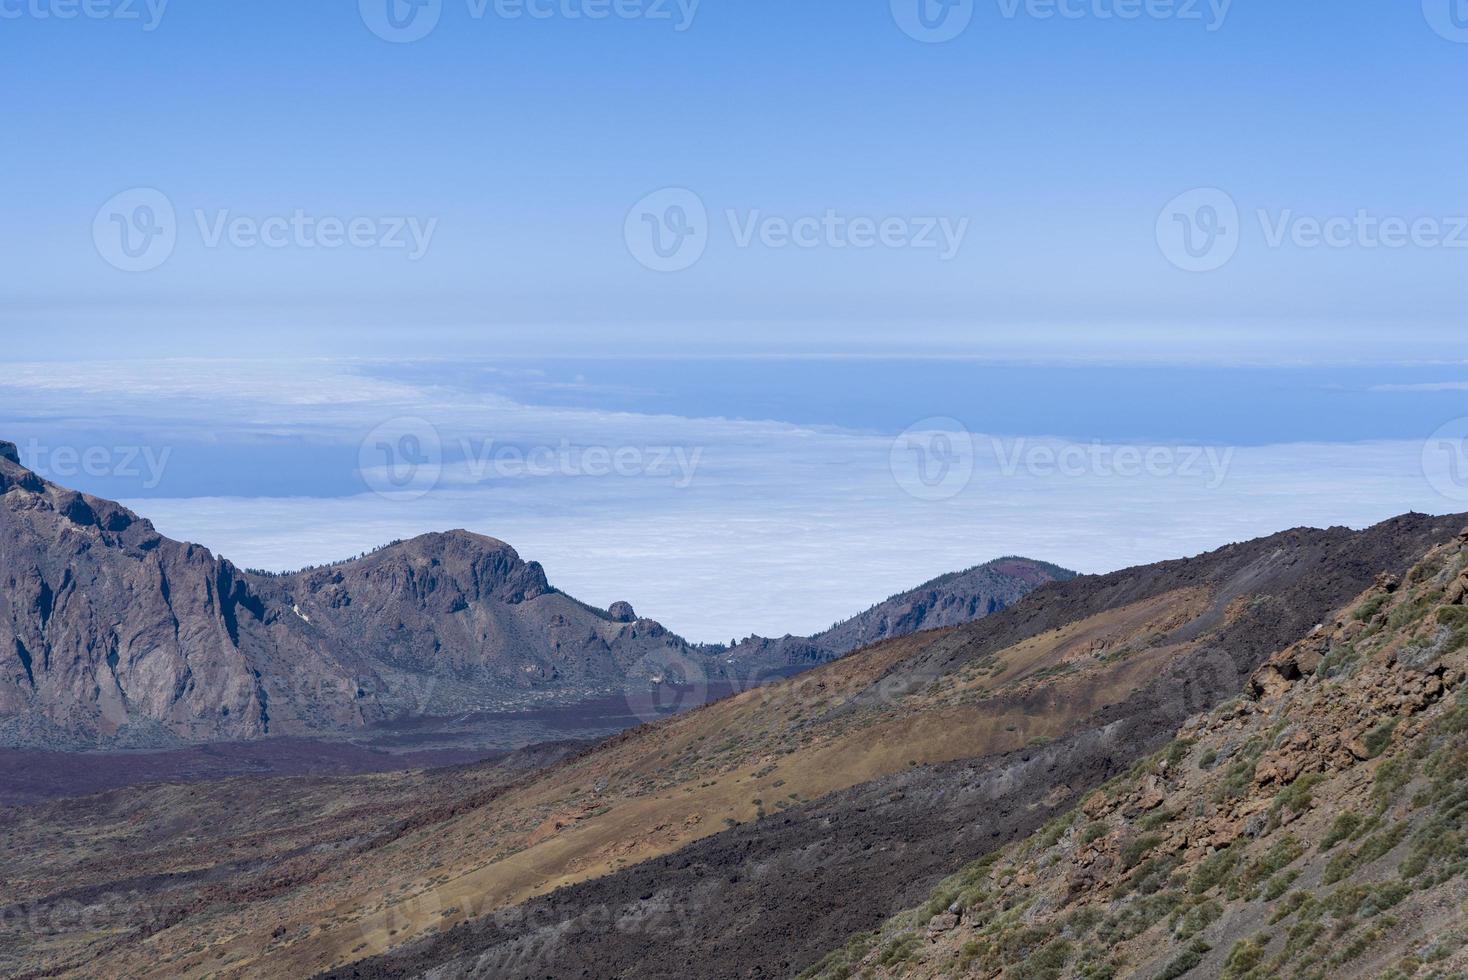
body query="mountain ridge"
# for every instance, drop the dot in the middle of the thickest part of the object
(112, 634)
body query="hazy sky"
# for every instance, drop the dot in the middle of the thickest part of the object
(524, 142)
(834, 304)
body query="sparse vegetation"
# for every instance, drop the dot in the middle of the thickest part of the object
(1186, 961)
(1382, 840)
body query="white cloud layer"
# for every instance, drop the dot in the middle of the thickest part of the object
(763, 527)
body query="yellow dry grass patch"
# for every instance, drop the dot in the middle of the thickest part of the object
(635, 830)
(660, 788)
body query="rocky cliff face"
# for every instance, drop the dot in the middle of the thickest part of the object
(112, 634)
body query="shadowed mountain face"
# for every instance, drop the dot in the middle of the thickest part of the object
(112, 634)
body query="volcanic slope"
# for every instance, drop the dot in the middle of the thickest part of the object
(1315, 827)
(778, 823)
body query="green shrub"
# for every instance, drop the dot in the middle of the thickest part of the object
(1178, 751)
(1295, 903)
(1243, 958)
(1343, 828)
(1137, 848)
(1365, 901)
(1376, 846)
(1284, 853)
(898, 950)
(1280, 884)
(1369, 608)
(1296, 797)
(1151, 877)
(1339, 662)
(1197, 918)
(1213, 871)
(1185, 962)
(1380, 737)
(1048, 963)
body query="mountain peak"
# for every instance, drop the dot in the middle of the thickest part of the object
(9, 450)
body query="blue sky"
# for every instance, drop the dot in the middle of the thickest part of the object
(1006, 238)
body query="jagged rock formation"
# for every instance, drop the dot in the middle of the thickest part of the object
(112, 634)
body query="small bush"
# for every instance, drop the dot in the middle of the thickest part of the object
(1277, 858)
(1048, 963)
(1369, 608)
(1213, 871)
(1244, 957)
(1198, 918)
(1280, 884)
(1376, 846)
(1185, 962)
(1137, 848)
(1380, 737)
